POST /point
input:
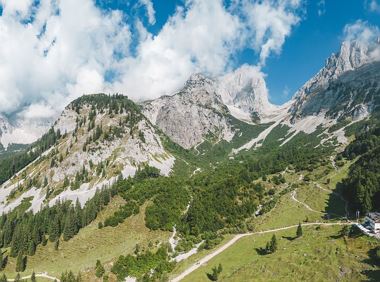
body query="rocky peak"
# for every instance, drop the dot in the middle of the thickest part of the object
(352, 55)
(245, 94)
(4, 124)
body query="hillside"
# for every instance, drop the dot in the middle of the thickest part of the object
(144, 190)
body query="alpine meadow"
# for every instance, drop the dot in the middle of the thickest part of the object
(189, 140)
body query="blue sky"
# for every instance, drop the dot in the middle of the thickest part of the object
(312, 41)
(304, 52)
(55, 51)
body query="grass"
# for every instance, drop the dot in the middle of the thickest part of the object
(317, 256)
(286, 212)
(183, 265)
(81, 252)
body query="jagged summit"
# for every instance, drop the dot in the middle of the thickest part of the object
(352, 55)
(245, 93)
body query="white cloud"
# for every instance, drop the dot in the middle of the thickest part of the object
(321, 7)
(201, 38)
(269, 23)
(374, 6)
(19, 8)
(151, 13)
(365, 34)
(55, 51)
(65, 50)
(361, 31)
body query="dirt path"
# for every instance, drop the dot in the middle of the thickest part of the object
(43, 275)
(332, 159)
(293, 196)
(210, 256)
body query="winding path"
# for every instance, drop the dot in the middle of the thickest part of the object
(42, 274)
(210, 256)
(293, 196)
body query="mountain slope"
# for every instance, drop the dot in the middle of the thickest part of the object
(348, 80)
(99, 137)
(191, 114)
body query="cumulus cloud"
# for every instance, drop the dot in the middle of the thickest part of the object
(365, 34)
(321, 7)
(269, 22)
(200, 38)
(151, 13)
(54, 51)
(374, 6)
(361, 31)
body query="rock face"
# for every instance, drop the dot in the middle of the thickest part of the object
(190, 115)
(5, 129)
(245, 94)
(332, 84)
(204, 106)
(4, 125)
(102, 138)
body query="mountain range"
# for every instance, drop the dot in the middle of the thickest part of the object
(178, 173)
(104, 136)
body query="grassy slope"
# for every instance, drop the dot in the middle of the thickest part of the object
(81, 252)
(319, 255)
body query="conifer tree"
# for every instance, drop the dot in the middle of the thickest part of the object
(3, 278)
(33, 277)
(31, 248)
(70, 228)
(299, 230)
(20, 262)
(273, 244)
(44, 240)
(54, 229)
(99, 269)
(56, 245)
(214, 275)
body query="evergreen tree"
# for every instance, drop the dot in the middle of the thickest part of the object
(3, 278)
(54, 229)
(299, 230)
(68, 277)
(345, 231)
(33, 277)
(56, 245)
(4, 262)
(214, 275)
(17, 278)
(377, 254)
(273, 244)
(20, 262)
(44, 240)
(66, 182)
(31, 248)
(70, 227)
(99, 269)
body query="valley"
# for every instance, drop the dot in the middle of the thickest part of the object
(214, 174)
